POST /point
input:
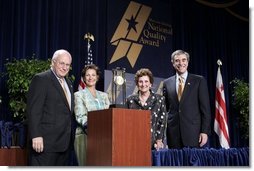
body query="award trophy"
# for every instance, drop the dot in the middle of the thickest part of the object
(118, 88)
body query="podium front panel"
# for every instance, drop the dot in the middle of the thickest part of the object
(119, 137)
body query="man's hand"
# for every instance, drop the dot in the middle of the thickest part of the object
(202, 139)
(37, 144)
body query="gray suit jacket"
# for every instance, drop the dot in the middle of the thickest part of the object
(189, 117)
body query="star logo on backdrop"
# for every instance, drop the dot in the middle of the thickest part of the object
(132, 24)
(128, 32)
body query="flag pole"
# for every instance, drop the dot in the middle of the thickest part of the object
(89, 37)
(219, 63)
(89, 59)
(221, 122)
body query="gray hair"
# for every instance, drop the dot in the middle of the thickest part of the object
(59, 53)
(179, 52)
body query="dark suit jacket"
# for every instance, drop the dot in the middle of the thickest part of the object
(189, 117)
(49, 115)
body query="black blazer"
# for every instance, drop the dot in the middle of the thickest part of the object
(189, 117)
(48, 112)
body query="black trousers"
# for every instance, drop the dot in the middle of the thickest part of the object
(48, 158)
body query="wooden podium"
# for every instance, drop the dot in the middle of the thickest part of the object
(119, 137)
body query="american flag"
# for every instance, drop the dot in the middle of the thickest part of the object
(221, 121)
(89, 60)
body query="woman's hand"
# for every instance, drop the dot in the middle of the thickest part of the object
(158, 144)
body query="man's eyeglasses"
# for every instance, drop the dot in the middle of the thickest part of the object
(62, 64)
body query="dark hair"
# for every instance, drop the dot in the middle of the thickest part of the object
(143, 72)
(91, 66)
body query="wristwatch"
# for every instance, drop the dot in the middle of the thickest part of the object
(119, 80)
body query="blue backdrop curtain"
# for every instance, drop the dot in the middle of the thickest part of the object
(207, 32)
(40, 27)
(210, 32)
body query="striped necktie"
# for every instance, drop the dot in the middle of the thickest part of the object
(180, 88)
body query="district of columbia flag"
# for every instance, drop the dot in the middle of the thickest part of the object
(221, 121)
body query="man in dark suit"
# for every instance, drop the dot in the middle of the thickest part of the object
(188, 106)
(50, 102)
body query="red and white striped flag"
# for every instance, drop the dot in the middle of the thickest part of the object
(221, 121)
(82, 84)
(89, 59)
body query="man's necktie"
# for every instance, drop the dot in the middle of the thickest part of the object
(180, 88)
(65, 91)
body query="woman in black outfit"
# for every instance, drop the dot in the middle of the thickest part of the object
(146, 99)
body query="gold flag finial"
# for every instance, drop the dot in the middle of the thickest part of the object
(89, 37)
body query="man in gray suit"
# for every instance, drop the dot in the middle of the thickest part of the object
(50, 102)
(188, 106)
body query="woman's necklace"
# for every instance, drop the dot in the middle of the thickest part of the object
(143, 98)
